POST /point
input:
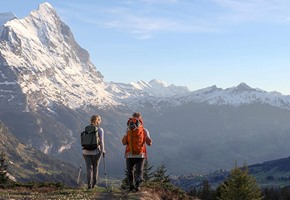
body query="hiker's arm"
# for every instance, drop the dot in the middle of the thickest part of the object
(148, 140)
(102, 143)
(124, 140)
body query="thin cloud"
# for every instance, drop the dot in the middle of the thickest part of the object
(287, 19)
(254, 10)
(201, 16)
(145, 27)
(142, 25)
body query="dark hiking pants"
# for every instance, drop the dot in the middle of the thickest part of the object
(135, 168)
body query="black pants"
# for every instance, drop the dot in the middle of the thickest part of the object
(135, 168)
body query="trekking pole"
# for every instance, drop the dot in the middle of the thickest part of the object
(105, 170)
(80, 170)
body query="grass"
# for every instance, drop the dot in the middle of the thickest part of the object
(51, 191)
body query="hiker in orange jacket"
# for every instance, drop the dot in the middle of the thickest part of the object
(135, 140)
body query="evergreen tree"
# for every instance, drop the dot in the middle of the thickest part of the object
(125, 181)
(148, 174)
(193, 192)
(160, 174)
(3, 169)
(206, 192)
(239, 186)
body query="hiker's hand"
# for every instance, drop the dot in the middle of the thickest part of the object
(148, 141)
(104, 154)
(124, 140)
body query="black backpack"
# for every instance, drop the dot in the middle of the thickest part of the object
(90, 140)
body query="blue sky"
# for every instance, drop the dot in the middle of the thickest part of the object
(194, 43)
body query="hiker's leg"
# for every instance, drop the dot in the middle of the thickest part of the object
(88, 160)
(94, 165)
(130, 169)
(139, 170)
(96, 169)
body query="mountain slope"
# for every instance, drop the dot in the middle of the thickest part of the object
(274, 173)
(209, 137)
(27, 164)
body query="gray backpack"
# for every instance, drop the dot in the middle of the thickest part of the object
(90, 140)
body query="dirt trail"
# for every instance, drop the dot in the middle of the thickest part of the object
(141, 195)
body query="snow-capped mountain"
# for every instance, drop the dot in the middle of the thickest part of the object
(234, 96)
(159, 88)
(239, 95)
(154, 88)
(47, 63)
(41, 51)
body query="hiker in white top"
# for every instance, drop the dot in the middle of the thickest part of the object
(92, 157)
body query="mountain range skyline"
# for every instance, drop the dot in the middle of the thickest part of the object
(38, 76)
(193, 44)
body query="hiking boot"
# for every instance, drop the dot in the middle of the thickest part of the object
(132, 188)
(94, 183)
(138, 183)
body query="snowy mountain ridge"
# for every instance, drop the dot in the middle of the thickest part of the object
(239, 95)
(154, 88)
(234, 96)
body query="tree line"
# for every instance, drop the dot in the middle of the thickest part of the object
(240, 186)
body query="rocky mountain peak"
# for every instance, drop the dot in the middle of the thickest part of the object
(47, 64)
(45, 11)
(243, 87)
(159, 83)
(46, 8)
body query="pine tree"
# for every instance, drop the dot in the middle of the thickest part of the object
(206, 193)
(148, 174)
(239, 186)
(160, 174)
(125, 182)
(3, 169)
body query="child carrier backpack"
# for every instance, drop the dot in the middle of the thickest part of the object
(90, 140)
